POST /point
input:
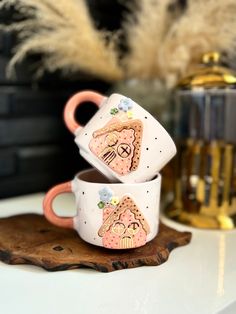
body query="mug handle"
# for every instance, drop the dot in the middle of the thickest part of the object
(74, 102)
(65, 222)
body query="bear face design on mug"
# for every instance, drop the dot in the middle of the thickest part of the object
(122, 140)
(111, 215)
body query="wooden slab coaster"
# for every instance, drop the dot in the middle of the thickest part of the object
(31, 239)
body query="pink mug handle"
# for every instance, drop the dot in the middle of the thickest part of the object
(65, 222)
(74, 102)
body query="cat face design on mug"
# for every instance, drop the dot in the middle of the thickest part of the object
(124, 226)
(118, 143)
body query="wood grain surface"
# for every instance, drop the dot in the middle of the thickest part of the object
(31, 239)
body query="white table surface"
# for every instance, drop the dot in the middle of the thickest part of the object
(198, 278)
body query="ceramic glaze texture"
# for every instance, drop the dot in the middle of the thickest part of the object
(124, 142)
(126, 232)
(118, 145)
(124, 226)
(117, 216)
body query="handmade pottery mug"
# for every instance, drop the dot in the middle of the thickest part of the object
(122, 140)
(111, 215)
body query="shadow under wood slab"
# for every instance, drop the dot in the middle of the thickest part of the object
(31, 239)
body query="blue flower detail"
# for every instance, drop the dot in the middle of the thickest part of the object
(125, 104)
(105, 194)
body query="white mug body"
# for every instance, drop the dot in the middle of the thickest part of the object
(116, 215)
(110, 215)
(124, 141)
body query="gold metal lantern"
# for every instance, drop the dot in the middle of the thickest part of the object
(205, 132)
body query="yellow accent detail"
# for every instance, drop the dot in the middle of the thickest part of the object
(118, 228)
(130, 114)
(115, 200)
(133, 228)
(111, 139)
(126, 243)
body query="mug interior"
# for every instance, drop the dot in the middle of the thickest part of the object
(126, 206)
(94, 176)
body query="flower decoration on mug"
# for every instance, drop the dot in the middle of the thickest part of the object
(101, 205)
(114, 111)
(130, 114)
(125, 104)
(107, 198)
(115, 200)
(105, 194)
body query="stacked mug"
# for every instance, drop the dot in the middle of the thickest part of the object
(118, 200)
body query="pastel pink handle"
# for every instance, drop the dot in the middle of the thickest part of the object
(66, 222)
(74, 102)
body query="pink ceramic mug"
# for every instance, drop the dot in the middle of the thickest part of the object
(122, 140)
(111, 215)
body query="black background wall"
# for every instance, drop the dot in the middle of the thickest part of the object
(36, 150)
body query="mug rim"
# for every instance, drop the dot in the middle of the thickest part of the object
(167, 146)
(156, 179)
(153, 120)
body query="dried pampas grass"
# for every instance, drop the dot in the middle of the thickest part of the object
(63, 32)
(164, 39)
(146, 30)
(174, 45)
